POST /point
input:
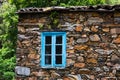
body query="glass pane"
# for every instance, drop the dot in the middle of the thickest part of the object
(58, 39)
(58, 59)
(48, 49)
(58, 49)
(47, 59)
(48, 40)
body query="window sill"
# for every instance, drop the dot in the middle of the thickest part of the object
(53, 67)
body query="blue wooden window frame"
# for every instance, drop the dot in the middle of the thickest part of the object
(53, 49)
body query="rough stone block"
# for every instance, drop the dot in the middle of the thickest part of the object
(81, 18)
(70, 51)
(80, 59)
(40, 73)
(105, 29)
(25, 71)
(21, 29)
(94, 37)
(79, 65)
(78, 28)
(117, 14)
(84, 71)
(87, 29)
(117, 40)
(22, 37)
(71, 40)
(115, 59)
(82, 40)
(117, 20)
(33, 56)
(80, 47)
(92, 61)
(70, 62)
(115, 30)
(74, 77)
(42, 20)
(102, 51)
(94, 20)
(94, 28)
(32, 78)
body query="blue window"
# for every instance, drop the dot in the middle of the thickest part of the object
(53, 49)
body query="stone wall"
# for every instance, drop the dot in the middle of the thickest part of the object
(93, 46)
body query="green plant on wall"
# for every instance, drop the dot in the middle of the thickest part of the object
(54, 20)
(40, 26)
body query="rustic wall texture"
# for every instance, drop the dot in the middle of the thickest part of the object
(93, 45)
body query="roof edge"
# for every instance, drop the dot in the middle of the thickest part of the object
(101, 8)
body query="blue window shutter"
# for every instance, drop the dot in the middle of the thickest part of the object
(53, 49)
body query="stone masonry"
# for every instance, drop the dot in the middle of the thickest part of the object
(93, 45)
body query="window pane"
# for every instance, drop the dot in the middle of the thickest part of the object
(58, 49)
(58, 39)
(47, 59)
(48, 40)
(58, 59)
(48, 49)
